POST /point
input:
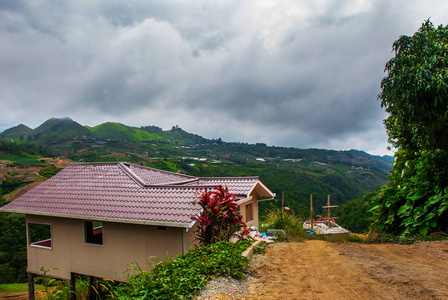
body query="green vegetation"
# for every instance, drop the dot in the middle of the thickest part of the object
(415, 94)
(49, 171)
(123, 133)
(23, 150)
(354, 215)
(292, 225)
(185, 276)
(219, 218)
(10, 288)
(17, 133)
(12, 248)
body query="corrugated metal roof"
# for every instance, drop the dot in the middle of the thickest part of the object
(123, 192)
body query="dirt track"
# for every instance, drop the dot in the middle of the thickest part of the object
(322, 270)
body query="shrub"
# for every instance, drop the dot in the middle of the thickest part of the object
(219, 218)
(185, 276)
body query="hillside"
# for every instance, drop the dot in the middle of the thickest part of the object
(345, 175)
(121, 133)
(17, 133)
(58, 131)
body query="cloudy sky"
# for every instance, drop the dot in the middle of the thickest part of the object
(286, 73)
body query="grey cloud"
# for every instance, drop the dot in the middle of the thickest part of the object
(292, 73)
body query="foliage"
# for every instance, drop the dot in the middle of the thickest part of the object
(291, 224)
(9, 288)
(12, 248)
(414, 92)
(406, 240)
(416, 201)
(9, 184)
(219, 218)
(185, 276)
(53, 289)
(24, 149)
(49, 171)
(415, 95)
(261, 248)
(354, 215)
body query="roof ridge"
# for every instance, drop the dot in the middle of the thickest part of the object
(161, 171)
(238, 177)
(131, 174)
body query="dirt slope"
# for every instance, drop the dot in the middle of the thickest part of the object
(322, 270)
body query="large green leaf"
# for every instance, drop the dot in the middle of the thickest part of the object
(417, 195)
(404, 210)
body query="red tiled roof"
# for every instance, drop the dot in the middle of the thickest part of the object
(123, 192)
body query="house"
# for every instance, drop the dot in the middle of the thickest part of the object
(97, 218)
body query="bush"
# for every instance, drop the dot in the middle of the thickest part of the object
(185, 276)
(291, 224)
(219, 218)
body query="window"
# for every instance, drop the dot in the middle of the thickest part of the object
(249, 212)
(39, 235)
(93, 232)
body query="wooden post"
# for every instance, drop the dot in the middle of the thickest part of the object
(72, 286)
(328, 211)
(30, 286)
(311, 211)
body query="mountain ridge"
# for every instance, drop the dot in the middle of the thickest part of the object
(64, 130)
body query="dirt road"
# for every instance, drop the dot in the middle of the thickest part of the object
(323, 270)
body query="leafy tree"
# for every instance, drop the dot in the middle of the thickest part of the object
(415, 94)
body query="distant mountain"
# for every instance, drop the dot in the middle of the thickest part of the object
(56, 130)
(345, 175)
(387, 158)
(17, 133)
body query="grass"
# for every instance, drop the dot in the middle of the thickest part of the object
(10, 288)
(28, 160)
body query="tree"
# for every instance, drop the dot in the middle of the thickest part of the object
(415, 90)
(415, 94)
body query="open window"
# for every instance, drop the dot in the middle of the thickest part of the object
(249, 212)
(93, 232)
(39, 235)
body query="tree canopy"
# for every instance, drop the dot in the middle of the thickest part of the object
(415, 95)
(414, 92)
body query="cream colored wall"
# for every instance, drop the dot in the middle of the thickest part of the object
(122, 244)
(243, 211)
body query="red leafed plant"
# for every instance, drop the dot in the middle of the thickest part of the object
(219, 218)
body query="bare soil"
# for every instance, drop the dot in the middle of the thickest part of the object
(323, 270)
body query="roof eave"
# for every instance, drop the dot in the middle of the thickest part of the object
(104, 219)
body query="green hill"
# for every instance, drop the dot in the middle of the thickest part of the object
(122, 133)
(56, 130)
(17, 133)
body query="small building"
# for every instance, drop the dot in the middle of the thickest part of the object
(97, 218)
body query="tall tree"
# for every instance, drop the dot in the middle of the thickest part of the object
(415, 94)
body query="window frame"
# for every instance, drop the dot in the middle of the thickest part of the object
(249, 212)
(87, 236)
(34, 244)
